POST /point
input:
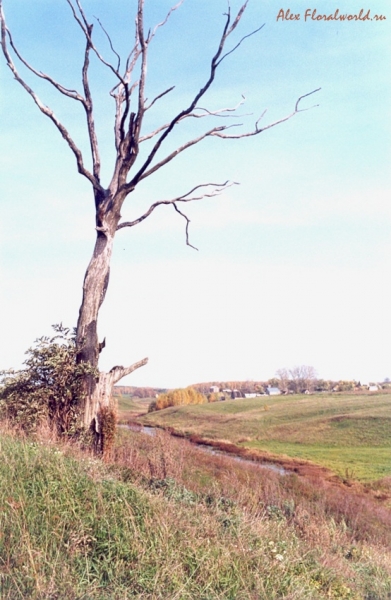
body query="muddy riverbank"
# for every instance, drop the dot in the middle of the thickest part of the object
(279, 464)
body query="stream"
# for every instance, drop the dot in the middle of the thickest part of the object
(211, 450)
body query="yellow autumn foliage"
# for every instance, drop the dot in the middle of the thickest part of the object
(178, 397)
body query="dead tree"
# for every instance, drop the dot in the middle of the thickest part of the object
(131, 106)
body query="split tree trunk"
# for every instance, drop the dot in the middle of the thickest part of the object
(99, 387)
(94, 290)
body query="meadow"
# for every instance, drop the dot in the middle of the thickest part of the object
(162, 519)
(130, 408)
(350, 434)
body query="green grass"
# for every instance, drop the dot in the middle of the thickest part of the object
(354, 463)
(130, 408)
(344, 432)
(165, 520)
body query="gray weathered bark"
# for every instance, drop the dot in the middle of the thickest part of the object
(99, 389)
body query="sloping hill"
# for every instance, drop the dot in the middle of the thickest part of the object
(165, 520)
(348, 433)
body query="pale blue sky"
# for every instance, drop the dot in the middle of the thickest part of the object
(293, 265)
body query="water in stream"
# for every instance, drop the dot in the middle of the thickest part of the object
(211, 450)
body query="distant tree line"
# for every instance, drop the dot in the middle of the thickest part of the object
(137, 392)
(297, 380)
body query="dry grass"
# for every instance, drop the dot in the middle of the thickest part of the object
(164, 519)
(163, 456)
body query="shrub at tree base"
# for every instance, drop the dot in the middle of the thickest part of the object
(177, 398)
(50, 389)
(108, 423)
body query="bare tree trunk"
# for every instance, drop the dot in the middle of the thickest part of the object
(94, 289)
(98, 387)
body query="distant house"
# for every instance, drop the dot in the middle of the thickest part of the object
(273, 391)
(373, 388)
(214, 389)
(233, 393)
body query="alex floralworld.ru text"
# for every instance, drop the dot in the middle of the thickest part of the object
(312, 15)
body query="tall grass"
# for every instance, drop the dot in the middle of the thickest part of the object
(165, 520)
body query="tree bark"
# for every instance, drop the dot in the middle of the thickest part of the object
(99, 387)
(94, 289)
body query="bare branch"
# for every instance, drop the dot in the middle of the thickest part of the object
(185, 146)
(123, 93)
(239, 43)
(140, 48)
(213, 67)
(120, 372)
(187, 226)
(77, 19)
(123, 141)
(86, 102)
(111, 44)
(305, 96)
(219, 188)
(162, 23)
(88, 106)
(237, 18)
(152, 134)
(175, 153)
(67, 92)
(79, 6)
(258, 130)
(218, 132)
(159, 96)
(144, 51)
(260, 118)
(87, 28)
(220, 111)
(132, 57)
(207, 113)
(45, 109)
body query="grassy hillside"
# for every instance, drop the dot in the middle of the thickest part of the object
(130, 408)
(348, 433)
(166, 521)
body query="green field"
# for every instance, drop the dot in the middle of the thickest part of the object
(130, 408)
(348, 433)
